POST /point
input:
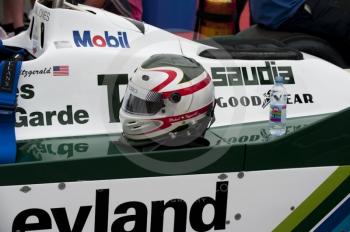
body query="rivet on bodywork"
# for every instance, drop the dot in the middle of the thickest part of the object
(238, 216)
(240, 175)
(222, 176)
(61, 186)
(25, 189)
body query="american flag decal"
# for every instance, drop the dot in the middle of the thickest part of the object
(62, 70)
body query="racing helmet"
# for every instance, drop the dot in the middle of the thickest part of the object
(169, 100)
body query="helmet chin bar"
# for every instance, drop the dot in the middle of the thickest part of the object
(178, 137)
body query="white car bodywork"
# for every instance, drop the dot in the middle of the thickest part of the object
(83, 57)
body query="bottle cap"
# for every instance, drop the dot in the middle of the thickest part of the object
(279, 80)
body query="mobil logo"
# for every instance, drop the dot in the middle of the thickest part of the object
(116, 40)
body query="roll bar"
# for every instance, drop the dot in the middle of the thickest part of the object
(58, 3)
(61, 4)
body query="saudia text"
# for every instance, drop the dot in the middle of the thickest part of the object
(261, 75)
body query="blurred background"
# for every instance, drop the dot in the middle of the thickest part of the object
(183, 17)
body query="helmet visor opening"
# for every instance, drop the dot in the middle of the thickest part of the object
(141, 101)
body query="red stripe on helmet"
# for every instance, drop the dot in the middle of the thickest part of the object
(171, 77)
(189, 90)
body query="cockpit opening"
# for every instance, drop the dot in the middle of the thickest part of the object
(72, 4)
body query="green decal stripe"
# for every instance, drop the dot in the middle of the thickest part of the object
(314, 200)
(325, 207)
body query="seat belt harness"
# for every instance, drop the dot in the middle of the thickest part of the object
(10, 72)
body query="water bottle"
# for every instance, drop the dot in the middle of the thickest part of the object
(278, 108)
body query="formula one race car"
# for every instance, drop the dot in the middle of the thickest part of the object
(74, 72)
(72, 66)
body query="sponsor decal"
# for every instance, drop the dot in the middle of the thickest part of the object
(26, 92)
(261, 75)
(237, 101)
(187, 215)
(48, 118)
(63, 44)
(67, 116)
(42, 13)
(117, 40)
(291, 99)
(63, 150)
(8, 76)
(29, 73)
(247, 101)
(113, 82)
(259, 136)
(267, 99)
(61, 70)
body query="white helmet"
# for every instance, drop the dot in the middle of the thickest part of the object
(169, 100)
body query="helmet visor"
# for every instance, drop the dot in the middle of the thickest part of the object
(141, 101)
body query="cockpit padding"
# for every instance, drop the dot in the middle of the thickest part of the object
(326, 50)
(249, 49)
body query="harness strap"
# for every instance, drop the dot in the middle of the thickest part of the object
(10, 73)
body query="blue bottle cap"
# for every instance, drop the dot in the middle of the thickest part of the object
(279, 80)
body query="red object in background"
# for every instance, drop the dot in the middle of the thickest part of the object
(186, 35)
(244, 19)
(136, 9)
